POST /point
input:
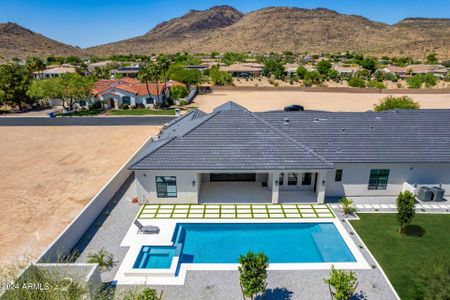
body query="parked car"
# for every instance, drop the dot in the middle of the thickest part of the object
(294, 107)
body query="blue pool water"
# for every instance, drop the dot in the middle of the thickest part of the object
(155, 257)
(281, 242)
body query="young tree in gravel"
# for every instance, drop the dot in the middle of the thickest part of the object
(14, 83)
(70, 88)
(392, 102)
(253, 273)
(406, 209)
(344, 284)
(323, 67)
(301, 72)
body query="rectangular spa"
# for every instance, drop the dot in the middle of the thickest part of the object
(223, 243)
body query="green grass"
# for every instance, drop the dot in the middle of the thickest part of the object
(142, 112)
(403, 257)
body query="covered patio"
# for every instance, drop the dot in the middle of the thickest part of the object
(250, 192)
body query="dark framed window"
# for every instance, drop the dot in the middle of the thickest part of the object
(126, 100)
(232, 177)
(378, 179)
(281, 179)
(338, 175)
(306, 178)
(292, 178)
(166, 186)
(82, 103)
(149, 100)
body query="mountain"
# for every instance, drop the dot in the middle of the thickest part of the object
(17, 41)
(276, 29)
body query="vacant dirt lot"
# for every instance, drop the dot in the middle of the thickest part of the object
(48, 174)
(276, 100)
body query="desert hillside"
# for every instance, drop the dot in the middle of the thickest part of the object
(285, 28)
(272, 29)
(17, 41)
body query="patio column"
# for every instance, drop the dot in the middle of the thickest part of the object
(275, 186)
(321, 186)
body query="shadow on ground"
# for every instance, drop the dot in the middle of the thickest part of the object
(276, 294)
(414, 230)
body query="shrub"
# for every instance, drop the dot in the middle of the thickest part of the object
(220, 77)
(124, 106)
(417, 81)
(179, 91)
(376, 84)
(313, 77)
(347, 206)
(253, 273)
(145, 294)
(406, 209)
(356, 82)
(301, 72)
(392, 102)
(103, 258)
(183, 102)
(344, 283)
(323, 67)
(140, 105)
(133, 106)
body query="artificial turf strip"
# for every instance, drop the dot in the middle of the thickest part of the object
(404, 257)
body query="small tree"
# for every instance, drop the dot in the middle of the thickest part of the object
(406, 207)
(347, 206)
(344, 283)
(392, 102)
(323, 67)
(253, 273)
(103, 258)
(179, 91)
(301, 71)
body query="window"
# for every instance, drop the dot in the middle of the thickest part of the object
(292, 178)
(82, 103)
(166, 186)
(126, 100)
(232, 177)
(149, 100)
(281, 179)
(338, 176)
(378, 179)
(306, 178)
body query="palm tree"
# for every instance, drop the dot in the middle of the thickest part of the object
(35, 64)
(151, 73)
(103, 258)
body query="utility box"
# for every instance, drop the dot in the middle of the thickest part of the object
(438, 193)
(425, 194)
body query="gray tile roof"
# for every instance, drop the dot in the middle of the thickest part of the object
(393, 136)
(232, 138)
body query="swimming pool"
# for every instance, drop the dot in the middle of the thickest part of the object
(223, 243)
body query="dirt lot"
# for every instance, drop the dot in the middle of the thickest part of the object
(48, 174)
(272, 100)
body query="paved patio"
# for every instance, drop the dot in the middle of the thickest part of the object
(234, 211)
(250, 192)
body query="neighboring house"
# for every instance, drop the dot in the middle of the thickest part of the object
(53, 72)
(202, 68)
(411, 70)
(234, 155)
(100, 64)
(291, 69)
(130, 71)
(244, 69)
(130, 91)
(344, 70)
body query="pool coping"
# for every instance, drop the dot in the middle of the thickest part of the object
(126, 275)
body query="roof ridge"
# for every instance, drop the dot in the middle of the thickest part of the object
(164, 142)
(323, 159)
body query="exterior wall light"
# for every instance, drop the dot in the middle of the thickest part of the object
(276, 182)
(193, 183)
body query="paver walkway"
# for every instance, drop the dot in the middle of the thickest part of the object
(436, 207)
(234, 211)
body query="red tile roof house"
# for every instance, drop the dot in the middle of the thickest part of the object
(132, 92)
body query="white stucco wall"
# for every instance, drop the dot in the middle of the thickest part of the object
(355, 178)
(186, 191)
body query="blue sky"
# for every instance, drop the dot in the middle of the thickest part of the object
(91, 22)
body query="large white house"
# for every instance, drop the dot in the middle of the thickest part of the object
(234, 155)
